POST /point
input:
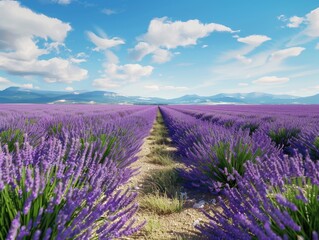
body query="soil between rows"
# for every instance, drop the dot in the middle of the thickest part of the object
(178, 225)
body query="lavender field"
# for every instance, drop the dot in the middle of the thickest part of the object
(65, 169)
(62, 169)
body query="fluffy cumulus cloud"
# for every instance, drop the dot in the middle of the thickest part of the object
(103, 42)
(295, 22)
(280, 55)
(155, 87)
(271, 80)
(19, 50)
(116, 75)
(163, 35)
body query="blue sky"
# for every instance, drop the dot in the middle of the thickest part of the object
(161, 48)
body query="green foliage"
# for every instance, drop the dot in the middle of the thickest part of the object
(161, 204)
(55, 129)
(30, 121)
(163, 159)
(227, 159)
(13, 199)
(314, 149)
(110, 143)
(163, 181)
(316, 143)
(229, 123)
(107, 142)
(282, 136)
(307, 214)
(251, 126)
(157, 150)
(10, 137)
(152, 225)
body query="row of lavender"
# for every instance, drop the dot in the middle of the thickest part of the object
(284, 124)
(62, 168)
(260, 160)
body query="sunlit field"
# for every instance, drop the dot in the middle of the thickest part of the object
(66, 171)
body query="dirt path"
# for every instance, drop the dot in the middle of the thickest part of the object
(176, 225)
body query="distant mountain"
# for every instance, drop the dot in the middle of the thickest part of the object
(23, 95)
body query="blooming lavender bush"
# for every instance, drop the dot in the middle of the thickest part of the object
(308, 143)
(276, 199)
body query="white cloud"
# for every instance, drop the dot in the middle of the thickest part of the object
(174, 88)
(103, 43)
(109, 11)
(141, 50)
(311, 31)
(25, 23)
(251, 43)
(128, 72)
(163, 87)
(52, 70)
(312, 19)
(282, 18)
(4, 83)
(77, 60)
(116, 75)
(295, 22)
(265, 63)
(205, 46)
(104, 83)
(161, 56)
(62, 2)
(152, 87)
(286, 53)
(271, 80)
(27, 85)
(111, 57)
(317, 46)
(243, 84)
(243, 59)
(19, 51)
(254, 40)
(165, 35)
(69, 89)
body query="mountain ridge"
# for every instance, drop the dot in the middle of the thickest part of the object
(24, 95)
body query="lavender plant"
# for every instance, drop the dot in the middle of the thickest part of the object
(10, 137)
(276, 199)
(308, 143)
